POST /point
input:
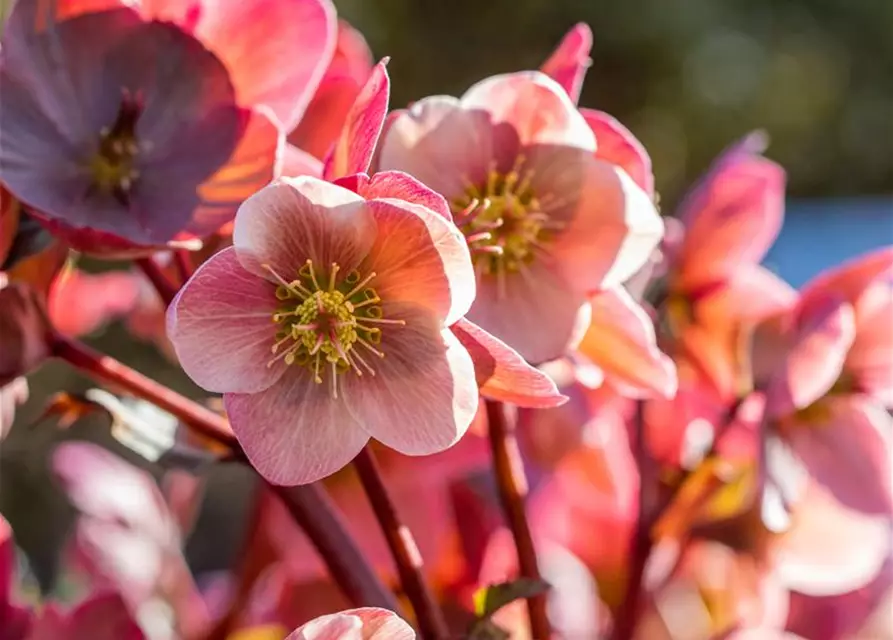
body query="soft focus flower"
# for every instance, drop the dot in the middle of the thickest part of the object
(715, 287)
(546, 220)
(347, 73)
(356, 624)
(24, 331)
(332, 332)
(169, 113)
(827, 366)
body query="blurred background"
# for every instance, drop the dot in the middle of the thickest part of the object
(687, 76)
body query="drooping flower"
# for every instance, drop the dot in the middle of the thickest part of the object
(368, 623)
(827, 366)
(546, 220)
(149, 122)
(348, 71)
(325, 325)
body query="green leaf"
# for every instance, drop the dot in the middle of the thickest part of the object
(487, 630)
(488, 600)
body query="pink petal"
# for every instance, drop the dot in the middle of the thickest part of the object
(870, 360)
(849, 280)
(617, 145)
(327, 111)
(276, 50)
(295, 432)
(356, 624)
(569, 62)
(612, 226)
(751, 294)
(502, 374)
(732, 218)
(353, 149)
(420, 258)
(297, 162)
(12, 395)
(537, 109)
(79, 302)
(440, 143)
(296, 219)
(621, 341)
(538, 314)
(815, 359)
(423, 395)
(847, 451)
(847, 555)
(256, 160)
(399, 186)
(221, 327)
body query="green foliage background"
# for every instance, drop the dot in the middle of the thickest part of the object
(687, 76)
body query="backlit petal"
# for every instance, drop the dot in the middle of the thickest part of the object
(423, 395)
(621, 341)
(221, 327)
(295, 432)
(502, 373)
(399, 186)
(421, 258)
(296, 219)
(617, 145)
(276, 50)
(367, 623)
(568, 63)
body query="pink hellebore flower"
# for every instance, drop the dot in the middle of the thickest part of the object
(546, 220)
(326, 324)
(349, 70)
(827, 366)
(368, 623)
(148, 122)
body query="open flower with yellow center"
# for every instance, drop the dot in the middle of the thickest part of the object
(327, 324)
(546, 220)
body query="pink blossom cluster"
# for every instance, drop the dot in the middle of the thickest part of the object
(474, 302)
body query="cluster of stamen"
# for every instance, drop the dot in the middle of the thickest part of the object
(327, 323)
(503, 221)
(112, 166)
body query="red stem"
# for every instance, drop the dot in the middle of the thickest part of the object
(166, 289)
(183, 262)
(640, 545)
(432, 625)
(309, 505)
(512, 484)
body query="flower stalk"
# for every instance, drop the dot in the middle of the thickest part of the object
(429, 617)
(511, 482)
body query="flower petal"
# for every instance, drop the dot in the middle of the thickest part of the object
(339, 87)
(80, 303)
(295, 432)
(568, 63)
(537, 109)
(367, 623)
(538, 314)
(502, 373)
(399, 186)
(621, 341)
(848, 452)
(732, 218)
(440, 143)
(221, 327)
(103, 616)
(296, 219)
(255, 162)
(617, 145)
(849, 553)
(423, 395)
(353, 149)
(870, 360)
(297, 162)
(612, 225)
(24, 332)
(276, 50)
(814, 361)
(420, 258)
(849, 280)
(12, 395)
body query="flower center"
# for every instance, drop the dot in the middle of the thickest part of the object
(113, 165)
(325, 322)
(503, 221)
